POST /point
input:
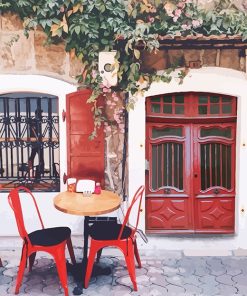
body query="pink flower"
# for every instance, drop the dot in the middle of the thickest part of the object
(178, 12)
(94, 74)
(186, 27)
(106, 90)
(121, 126)
(150, 19)
(196, 23)
(181, 5)
(175, 18)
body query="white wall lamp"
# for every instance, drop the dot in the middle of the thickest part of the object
(108, 67)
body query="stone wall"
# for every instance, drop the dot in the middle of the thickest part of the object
(227, 58)
(32, 55)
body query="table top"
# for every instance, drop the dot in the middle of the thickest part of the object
(76, 204)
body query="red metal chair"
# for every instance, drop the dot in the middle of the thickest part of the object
(116, 235)
(50, 240)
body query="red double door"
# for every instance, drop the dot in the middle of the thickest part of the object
(190, 177)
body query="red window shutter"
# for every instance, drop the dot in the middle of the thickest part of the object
(85, 157)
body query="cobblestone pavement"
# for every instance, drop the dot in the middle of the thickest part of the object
(163, 273)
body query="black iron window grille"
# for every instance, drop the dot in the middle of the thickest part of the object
(29, 142)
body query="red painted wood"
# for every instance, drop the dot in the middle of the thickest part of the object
(168, 213)
(215, 215)
(85, 157)
(209, 210)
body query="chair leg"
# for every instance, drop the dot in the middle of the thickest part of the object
(60, 260)
(1, 264)
(137, 255)
(99, 253)
(130, 262)
(31, 260)
(21, 270)
(71, 251)
(90, 263)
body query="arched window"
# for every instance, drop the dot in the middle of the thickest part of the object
(29, 141)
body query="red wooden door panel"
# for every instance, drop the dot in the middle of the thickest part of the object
(85, 157)
(168, 192)
(168, 213)
(214, 177)
(215, 215)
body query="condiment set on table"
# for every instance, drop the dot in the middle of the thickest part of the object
(86, 186)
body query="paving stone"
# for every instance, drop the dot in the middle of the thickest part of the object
(4, 279)
(104, 279)
(240, 279)
(120, 271)
(170, 271)
(192, 290)
(11, 271)
(209, 279)
(227, 290)
(170, 262)
(242, 289)
(53, 290)
(215, 265)
(210, 290)
(186, 265)
(201, 270)
(154, 270)
(37, 288)
(159, 279)
(176, 280)
(153, 290)
(3, 290)
(108, 290)
(126, 281)
(175, 290)
(192, 280)
(225, 279)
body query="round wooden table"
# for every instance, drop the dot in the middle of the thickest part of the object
(76, 204)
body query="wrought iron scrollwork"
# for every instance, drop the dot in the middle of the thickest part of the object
(29, 142)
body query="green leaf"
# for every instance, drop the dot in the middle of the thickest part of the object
(77, 30)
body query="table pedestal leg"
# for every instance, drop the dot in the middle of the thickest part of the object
(79, 271)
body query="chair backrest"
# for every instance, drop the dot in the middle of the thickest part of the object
(138, 196)
(15, 203)
(85, 185)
